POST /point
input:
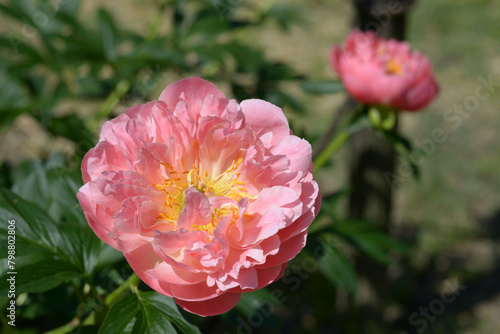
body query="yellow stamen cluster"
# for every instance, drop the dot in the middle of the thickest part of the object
(393, 67)
(216, 216)
(226, 184)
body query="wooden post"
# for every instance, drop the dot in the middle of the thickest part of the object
(370, 157)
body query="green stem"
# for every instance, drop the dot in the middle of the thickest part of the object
(358, 121)
(131, 283)
(334, 145)
(65, 328)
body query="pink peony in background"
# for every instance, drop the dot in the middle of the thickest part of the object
(206, 198)
(377, 71)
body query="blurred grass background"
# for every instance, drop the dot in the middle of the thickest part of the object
(451, 217)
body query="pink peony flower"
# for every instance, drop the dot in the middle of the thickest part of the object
(383, 72)
(206, 198)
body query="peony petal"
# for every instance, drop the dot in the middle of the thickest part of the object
(201, 87)
(196, 210)
(247, 279)
(103, 157)
(143, 259)
(288, 250)
(298, 151)
(214, 306)
(194, 292)
(165, 273)
(95, 214)
(283, 197)
(265, 276)
(262, 227)
(266, 120)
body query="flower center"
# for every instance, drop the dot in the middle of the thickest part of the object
(393, 67)
(226, 184)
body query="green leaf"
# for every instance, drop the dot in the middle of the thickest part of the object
(75, 244)
(12, 12)
(349, 227)
(26, 251)
(169, 309)
(337, 268)
(377, 245)
(247, 58)
(120, 316)
(223, 9)
(276, 72)
(403, 147)
(108, 256)
(108, 34)
(13, 100)
(21, 10)
(63, 186)
(211, 53)
(207, 28)
(31, 223)
(73, 128)
(152, 321)
(30, 182)
(250, 302)
(335, 197)
(322, 87)
(40, 276)
(369, 244)
(69, 7)
(331, 201)
(35, 14)
(14, 43)
(146, 312)
(285, 14)
(54, 188)
(83, 247)
(366, 237)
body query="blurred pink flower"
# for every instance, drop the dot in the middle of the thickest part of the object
(206, 198)
(377, 71)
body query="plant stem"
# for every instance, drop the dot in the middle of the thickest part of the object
(65, 328)
(358, 121)
(131, 283)
(334, 145)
